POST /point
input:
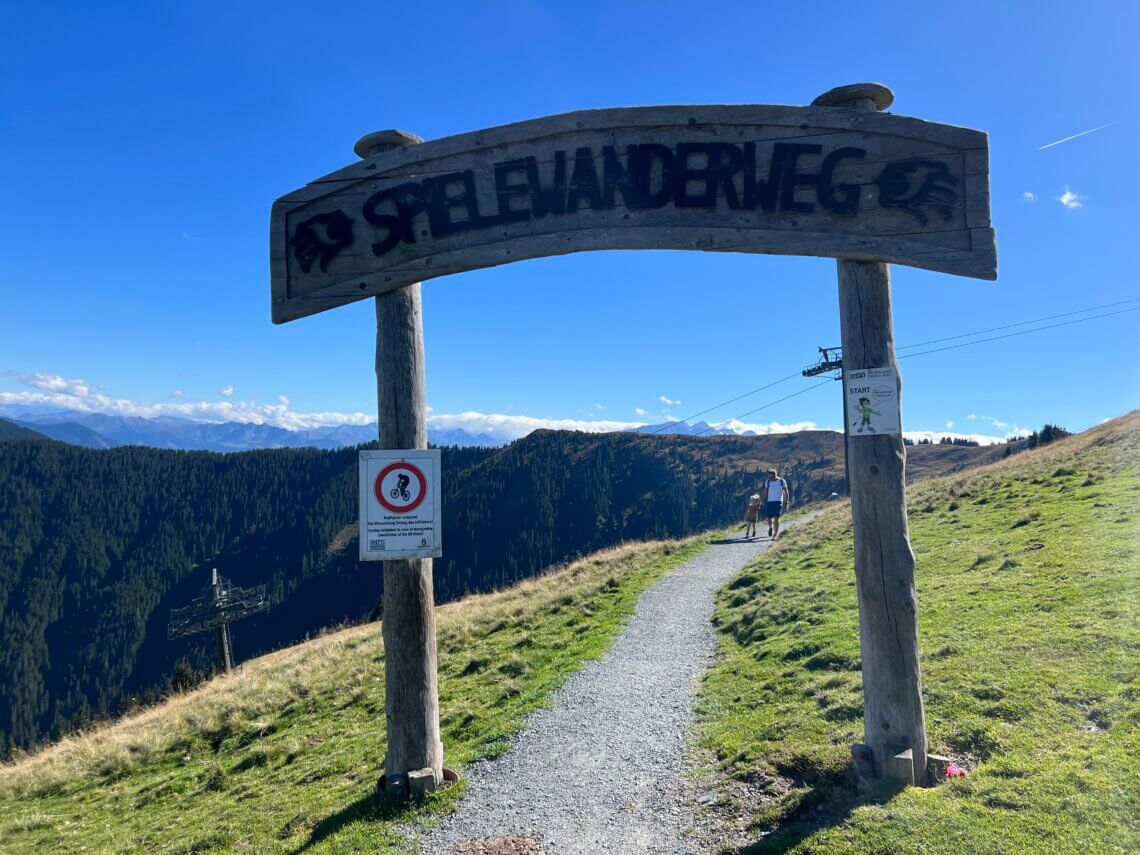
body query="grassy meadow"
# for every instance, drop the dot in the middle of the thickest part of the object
(1028, 584)
(283, 756)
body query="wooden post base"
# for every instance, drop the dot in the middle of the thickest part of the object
(863, 761)
(415, 785)
(899, 767)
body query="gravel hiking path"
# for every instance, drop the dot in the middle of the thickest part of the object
(602, 769)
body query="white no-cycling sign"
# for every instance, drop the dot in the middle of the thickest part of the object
(399, 504)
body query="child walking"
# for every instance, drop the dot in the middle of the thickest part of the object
(752, 514)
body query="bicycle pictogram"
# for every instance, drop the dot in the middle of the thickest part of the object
(401, 487)
(400, 491)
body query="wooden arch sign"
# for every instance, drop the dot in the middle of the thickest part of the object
(822, 180)
(838, 179)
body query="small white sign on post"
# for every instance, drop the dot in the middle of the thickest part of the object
(872, 401)
(400, 504)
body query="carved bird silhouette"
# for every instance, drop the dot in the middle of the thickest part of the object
(322, 236)
(917, 184)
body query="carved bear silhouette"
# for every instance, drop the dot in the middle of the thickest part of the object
(916, 184)
(322, 236)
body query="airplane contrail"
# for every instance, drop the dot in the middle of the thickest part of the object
(1081, 134)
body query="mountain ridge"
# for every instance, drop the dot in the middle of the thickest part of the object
(13, 430)
(100, 430)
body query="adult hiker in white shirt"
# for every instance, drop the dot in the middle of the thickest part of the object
(776, 498)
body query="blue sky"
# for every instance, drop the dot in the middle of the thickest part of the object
(142, 145)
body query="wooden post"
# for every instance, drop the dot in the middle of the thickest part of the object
(893, 717)
(411, 701)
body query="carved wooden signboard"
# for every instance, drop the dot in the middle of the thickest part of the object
(824, 181)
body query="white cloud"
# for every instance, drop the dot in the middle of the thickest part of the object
(980, 438)
(1028, 197)
(599, 406)
(667, 401)
(177, 393)
(507, 427)
(949, 423)
(763, 429)
(55, 384)
(993, 420)
(50, 395)
(1071, 199)
(972, 416)
(936, 435)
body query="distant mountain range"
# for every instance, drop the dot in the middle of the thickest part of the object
(95, 430)
(698, 429)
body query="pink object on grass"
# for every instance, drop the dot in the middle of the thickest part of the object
(953, 771)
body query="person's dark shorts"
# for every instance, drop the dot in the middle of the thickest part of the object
(774, 509)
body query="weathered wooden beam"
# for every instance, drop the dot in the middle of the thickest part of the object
(893, 716)
(826, 180)
(411, 700)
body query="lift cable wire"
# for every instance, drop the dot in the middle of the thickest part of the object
(1020, 324)
(669, 425)
(1023, 332)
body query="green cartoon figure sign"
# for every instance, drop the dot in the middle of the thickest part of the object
(865, 413)
(872, 401)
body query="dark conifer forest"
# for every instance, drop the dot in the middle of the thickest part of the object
(97, 545)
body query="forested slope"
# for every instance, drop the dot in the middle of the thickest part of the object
(97, 545)
(10, 430)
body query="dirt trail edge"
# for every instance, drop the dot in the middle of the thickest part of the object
(602, 769)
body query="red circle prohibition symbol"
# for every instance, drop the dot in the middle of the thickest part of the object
(382, 499)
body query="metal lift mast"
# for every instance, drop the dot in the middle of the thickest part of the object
(219, 605)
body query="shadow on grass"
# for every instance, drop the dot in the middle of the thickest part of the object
(367, 808)
(819, 807)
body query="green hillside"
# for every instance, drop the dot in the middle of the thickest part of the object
(284, 755)
(1028, 585)
(98, 545)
